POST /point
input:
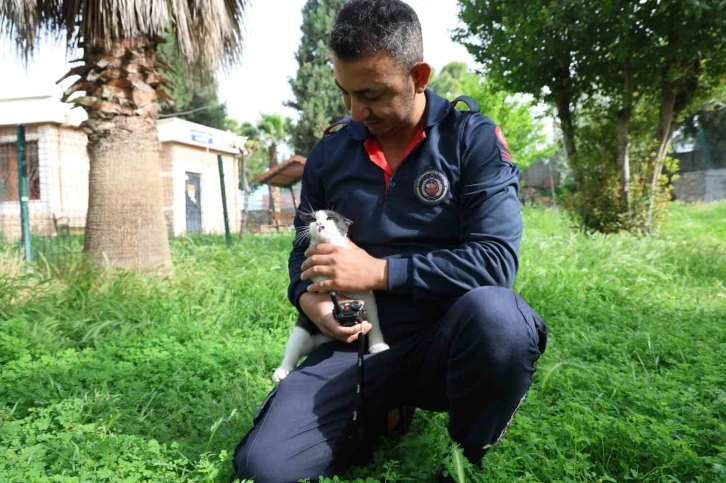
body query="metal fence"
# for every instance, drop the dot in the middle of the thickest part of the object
(44, 194)
(42, 203)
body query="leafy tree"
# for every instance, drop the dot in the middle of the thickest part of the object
(525, 134)
(120, 75)
(447, 83)
(317, 98)
(606, 62)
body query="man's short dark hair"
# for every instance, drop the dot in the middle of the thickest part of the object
(366, 27)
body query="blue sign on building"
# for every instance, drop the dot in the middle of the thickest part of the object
(201, 137)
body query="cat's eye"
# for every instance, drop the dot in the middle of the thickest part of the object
(329, 218)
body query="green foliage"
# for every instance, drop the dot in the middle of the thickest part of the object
(256, 158)
(524, 133)
(137, 379)
(595, 203)
(317, 98)
(273, 130)
(447, 83)
(626, 55)
(194, 90)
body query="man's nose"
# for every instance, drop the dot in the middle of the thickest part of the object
(359, 111)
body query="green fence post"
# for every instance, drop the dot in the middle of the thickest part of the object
(227, 234)
(23, 189)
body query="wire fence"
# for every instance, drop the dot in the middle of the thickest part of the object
(44, 191)
(44, 194)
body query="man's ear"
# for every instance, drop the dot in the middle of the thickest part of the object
(421, 74)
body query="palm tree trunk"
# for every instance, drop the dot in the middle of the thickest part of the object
(125, 224)
(274, 205)
(246, 190)
(125, 221)
(274, 191)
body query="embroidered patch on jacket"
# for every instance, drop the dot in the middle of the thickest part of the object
(431, 186)
(503, 145)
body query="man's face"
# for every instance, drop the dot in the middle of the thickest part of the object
(376, 91)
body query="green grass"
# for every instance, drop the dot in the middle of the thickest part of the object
(132, 379)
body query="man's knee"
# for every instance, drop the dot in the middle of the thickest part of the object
(268, 465)
(499, 323)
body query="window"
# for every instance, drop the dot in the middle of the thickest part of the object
(9, 189)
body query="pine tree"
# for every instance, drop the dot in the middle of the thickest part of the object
(194, 90)
(317, 98)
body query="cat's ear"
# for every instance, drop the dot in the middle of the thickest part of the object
(346, 221)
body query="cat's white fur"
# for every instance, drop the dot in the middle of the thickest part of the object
(300, 342)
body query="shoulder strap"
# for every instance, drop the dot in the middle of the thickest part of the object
(471, 103)
(343, 122)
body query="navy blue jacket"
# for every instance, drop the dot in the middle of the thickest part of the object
(448, 220)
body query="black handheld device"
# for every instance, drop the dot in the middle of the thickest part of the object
(347, 313)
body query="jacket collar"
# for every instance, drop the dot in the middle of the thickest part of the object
(436, 109)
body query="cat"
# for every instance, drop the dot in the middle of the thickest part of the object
(326, 226)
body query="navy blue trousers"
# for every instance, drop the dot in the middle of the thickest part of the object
(476, 363)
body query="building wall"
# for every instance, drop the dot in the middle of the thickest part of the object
(63, 168)
(198, 160)
(72, 168)
(40, 212)
(689, 187)
(714, 185)
(540, 175)
(705, 185)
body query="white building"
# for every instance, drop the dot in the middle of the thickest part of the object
(58, 170)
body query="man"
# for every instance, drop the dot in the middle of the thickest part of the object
(433, 195)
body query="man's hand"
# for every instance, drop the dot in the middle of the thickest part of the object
(319, 308)
(348, 269)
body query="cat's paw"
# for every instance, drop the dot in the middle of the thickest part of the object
(376, 348)
(279, 374)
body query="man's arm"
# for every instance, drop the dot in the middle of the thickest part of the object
(491, 226)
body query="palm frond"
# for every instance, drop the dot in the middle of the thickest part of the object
(207, 31)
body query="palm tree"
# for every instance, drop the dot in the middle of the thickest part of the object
(120, 76)
(274, 129)
(248, 143)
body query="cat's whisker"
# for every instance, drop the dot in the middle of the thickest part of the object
(305, 212)
(302, 233)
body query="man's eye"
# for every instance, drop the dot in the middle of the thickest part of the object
(373, 99)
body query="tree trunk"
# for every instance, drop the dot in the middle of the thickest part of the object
(274, 191)
(623, 124)
(562, 99)
(663, 137)
(274, 205)
(246, 212)
(246, 190)
(125, 224)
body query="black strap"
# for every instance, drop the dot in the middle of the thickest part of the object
(471, 103)
(359, 415)
(355, 445)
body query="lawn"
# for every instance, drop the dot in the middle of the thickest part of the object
(135, 379)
